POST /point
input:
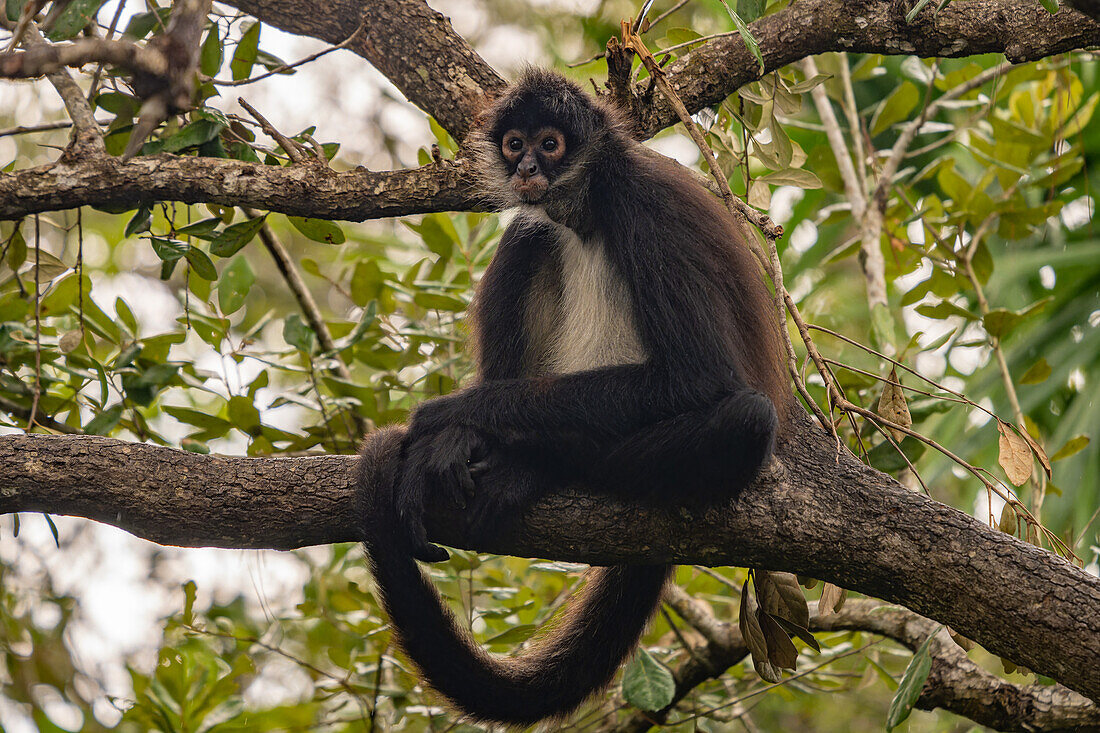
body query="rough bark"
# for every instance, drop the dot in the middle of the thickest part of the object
(298, 190)
(815, 512)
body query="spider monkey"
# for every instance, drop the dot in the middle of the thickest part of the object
(624, 340)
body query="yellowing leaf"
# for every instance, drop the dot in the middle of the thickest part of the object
(1014, 455)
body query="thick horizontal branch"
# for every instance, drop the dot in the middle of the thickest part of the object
(299, 190)
(815, 512)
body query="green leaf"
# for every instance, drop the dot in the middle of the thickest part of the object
(118, 103)
(244, 415)
(271, 62)
(438, 301)
(916, 9)
(140, 221)
(885, 456)
(750, 10)
(169, 250)
(297, 333)
(14, 8)
(234, 284)
(1038, 372)
(435, 236)
(211, 53)
(195, 134)
(746, 36)
(201, 264)
(895, 108)
(204, 229)
(143, 23)
(122, 310)
(911, 683)
(74, 18)
(943, 309)
(647, 684)
(104, 422)
(999, 323)
(792, 177)
(809, 84)
(1050, 5)
(236, 236)
(319, 230)
(198, 418)
(515, 635)
(245, 55)
(1072, 446)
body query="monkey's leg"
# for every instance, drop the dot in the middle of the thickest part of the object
(718, 449)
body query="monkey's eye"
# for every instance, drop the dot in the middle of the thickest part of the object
(549, 144)
(515, 144)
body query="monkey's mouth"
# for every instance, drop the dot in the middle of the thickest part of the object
(530, 190)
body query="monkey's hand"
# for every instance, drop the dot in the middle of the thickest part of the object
(440, 456)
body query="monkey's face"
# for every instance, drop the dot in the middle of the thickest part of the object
(532, 158)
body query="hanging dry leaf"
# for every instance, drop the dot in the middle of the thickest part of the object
(832, 598)
(1007, 524)
(892, 405)
(1014, 455)
(1037, 450)
(790, 601)
(749, 625)
(781, 650)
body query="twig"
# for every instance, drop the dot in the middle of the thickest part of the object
(667, 13)
(42, 421)
(897, 152)
(293, 149)
(309, 308)
(284, 67)
(110, 35)
(86, 135)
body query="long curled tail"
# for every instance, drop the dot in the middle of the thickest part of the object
(576, 657)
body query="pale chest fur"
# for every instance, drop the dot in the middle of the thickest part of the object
(590, 323)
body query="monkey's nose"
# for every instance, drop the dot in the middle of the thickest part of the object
(528, 168)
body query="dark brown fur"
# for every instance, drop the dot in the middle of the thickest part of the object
(680, 406)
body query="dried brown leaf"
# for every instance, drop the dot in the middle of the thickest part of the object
(1014, 455)
(781, 650)
(832, 598)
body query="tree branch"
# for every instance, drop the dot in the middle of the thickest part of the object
(815, 512)
(313, 191)
(955, 683)
(1020, 29)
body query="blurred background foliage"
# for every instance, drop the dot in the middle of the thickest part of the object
(174, 324)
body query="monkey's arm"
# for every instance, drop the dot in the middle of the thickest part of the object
(499, 308)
